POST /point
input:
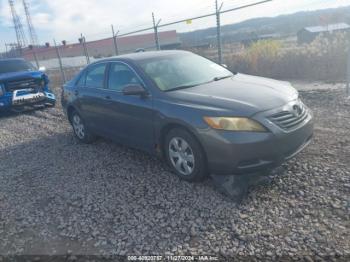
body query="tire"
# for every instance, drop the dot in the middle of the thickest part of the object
(185, 155)
(80, 130)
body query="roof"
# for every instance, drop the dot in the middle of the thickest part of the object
(145, 55)
(327, 28)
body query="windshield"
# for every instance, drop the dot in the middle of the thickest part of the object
(184, 70)
(9, 66)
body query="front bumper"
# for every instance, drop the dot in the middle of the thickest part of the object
(241, 152)
(22, 98)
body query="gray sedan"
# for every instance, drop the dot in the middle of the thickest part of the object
(198, 115)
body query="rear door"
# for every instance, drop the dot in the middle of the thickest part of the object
(92, 97)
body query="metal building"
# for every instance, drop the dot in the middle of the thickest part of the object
(309, 34)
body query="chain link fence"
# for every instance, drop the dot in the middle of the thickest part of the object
(62, 60)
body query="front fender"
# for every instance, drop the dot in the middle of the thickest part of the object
(170, 115)
(5, 101)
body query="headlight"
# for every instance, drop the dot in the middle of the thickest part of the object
(2, 89)
(234, 124)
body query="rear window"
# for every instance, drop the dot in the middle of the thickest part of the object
(8, 66)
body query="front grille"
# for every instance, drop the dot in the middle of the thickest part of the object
(23, 84)
(289, 119)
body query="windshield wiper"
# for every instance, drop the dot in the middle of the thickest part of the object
(179, 88)
(218, 78)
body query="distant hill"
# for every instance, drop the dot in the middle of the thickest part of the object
(284, 25)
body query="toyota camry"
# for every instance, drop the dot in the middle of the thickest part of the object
(196, 114)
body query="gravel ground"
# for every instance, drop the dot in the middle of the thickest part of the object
(58, 196)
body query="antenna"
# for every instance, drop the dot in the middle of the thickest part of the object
(32, 33)
(21, 38)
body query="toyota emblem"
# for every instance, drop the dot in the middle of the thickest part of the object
(297, 110)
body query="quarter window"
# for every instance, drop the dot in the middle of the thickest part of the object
(121, 75)
(95, 76)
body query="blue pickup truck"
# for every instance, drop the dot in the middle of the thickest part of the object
(22, 85)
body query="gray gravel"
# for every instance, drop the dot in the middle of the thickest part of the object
(61, 197)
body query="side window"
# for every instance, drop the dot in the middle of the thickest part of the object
(81, 81)
(95, 76)
(121, 75)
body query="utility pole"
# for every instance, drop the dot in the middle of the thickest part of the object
(21, 38)
(115, 41)
(32, 34)
(218, 30)
(155, 27)
(60, 61)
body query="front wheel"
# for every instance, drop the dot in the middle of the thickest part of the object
(185, 155)
(80, 130)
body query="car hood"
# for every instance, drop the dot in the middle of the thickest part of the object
(20, 75)
(242, 94)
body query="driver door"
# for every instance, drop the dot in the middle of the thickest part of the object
(132, 115)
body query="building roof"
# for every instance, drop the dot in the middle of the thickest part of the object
(11, 59)
(125, 43)
(327, 28)
(105, 47)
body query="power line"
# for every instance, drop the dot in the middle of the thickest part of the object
(214, 13)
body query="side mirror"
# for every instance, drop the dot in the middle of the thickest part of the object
(42, 69)
(134, 90)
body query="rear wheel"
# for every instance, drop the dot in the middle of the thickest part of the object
(185, 155)
(80, 130)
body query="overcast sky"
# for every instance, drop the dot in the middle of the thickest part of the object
(66, 19)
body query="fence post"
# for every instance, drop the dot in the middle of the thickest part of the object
(35, 57)
(155, 26)
(83, 42)
(60, 62)
(115, 41)
(218, 30)
(7, 55)
(86, 51)
(348, 74)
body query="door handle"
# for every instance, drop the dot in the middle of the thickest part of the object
(107, 97)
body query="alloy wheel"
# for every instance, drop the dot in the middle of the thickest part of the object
(78, 126)
(181, 156)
